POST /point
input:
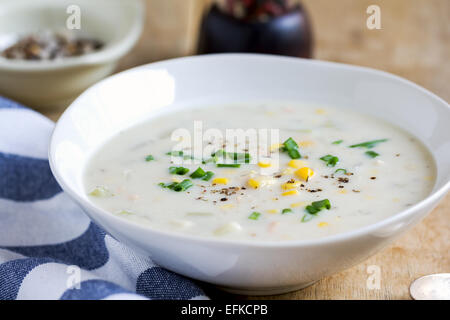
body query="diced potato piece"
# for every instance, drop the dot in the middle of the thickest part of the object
(181, 223)
(227, 228)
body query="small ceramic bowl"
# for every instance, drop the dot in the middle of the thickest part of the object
(248, 267)
(54, 84)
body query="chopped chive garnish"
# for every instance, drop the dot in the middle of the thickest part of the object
(149, 158)
(212, 159)
(337, 142)
(307, 216)
(314, 208)
(330, 160)
(237, 157)
(372, 154)
(322, 204)
(228, 165)
(287, 210)
(208, 176)
(368, 144)
(183, 185)
(219, 153)
(199, 173)
(178, 170)
(169, 185)
(291, 147)
(341, 170)
(175, 153)
(254, 216)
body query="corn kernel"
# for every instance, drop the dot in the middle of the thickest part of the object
(226, 206)
(272, 211)
(220, 181)
(298, 204)
(264, 164)
(320, 111)
(296, 164)
(343, 191)
(322, 224)
(304, 173)
(290, 193)
(290, 185)
(254, 183)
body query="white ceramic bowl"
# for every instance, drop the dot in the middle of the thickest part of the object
(248, 267)
(54, 84)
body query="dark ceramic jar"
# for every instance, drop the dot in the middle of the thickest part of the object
(286, 34)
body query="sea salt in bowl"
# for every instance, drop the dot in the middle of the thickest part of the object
(242, 266)
(54, 84)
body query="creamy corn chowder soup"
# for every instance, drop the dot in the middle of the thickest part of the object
(291, 172)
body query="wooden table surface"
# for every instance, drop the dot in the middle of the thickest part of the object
(414, 42)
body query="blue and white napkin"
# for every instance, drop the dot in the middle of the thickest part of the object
(49, 249)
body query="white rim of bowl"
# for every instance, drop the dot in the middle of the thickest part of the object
(107, 54)
(336, 238)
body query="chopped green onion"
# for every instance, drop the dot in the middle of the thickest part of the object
(322, 204)
(219, 153)
(337, 142)
(169, 185)
(291, 147)
(368, 144)
(254, 216)
(149, 158)
(175, 153)
(212, 159)
(372, 154)
(199, 173)
(228, 165)
(208, 175)
(341, 170)
(175, 186)
(183, 185)
(287, 210)
(330, 160)
(237, 157)
(178, 170)
(314, 208)
(240, 156)
(307, 217)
